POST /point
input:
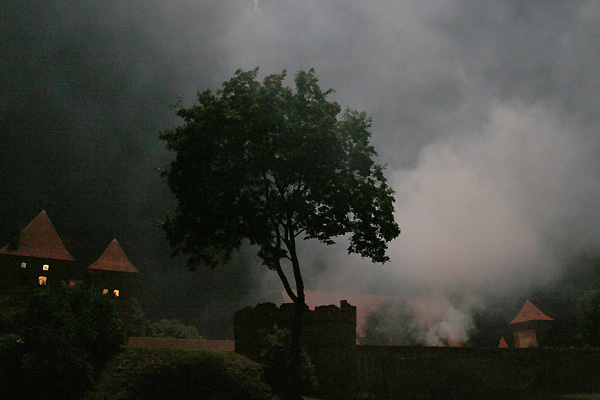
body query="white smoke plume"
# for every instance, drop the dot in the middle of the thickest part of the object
(440, 323)
(427, 320)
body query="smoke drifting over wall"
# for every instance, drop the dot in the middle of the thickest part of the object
(486, 114)
(420, 321)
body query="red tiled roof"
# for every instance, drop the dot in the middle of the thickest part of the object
(39, 239)
(503, 344)
(529, 312)
(114, 259)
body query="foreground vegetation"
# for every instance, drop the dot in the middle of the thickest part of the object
(54, 343)
(144, 373)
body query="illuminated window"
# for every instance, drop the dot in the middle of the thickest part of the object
(104, 291)
(42, 280)
(116, 292)
(23, 265)
(46, 267)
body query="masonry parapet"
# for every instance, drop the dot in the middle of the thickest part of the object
(328, 335)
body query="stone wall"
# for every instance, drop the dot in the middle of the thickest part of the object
(347, 371)
(328, 336)
(437, 372)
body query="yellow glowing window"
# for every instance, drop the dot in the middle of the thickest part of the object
(23, 265)
(46, 267)
(42, 280)
(116, 292)
(104, 291)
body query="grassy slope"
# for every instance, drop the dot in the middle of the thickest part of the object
(168, 374)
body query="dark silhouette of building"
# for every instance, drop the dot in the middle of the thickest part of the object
(38, 257)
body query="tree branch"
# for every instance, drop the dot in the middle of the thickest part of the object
(286, 283)
(299, 232)
(291, 245)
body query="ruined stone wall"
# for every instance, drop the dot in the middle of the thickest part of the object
(328, 336)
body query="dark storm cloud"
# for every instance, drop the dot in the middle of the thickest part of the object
(486, 114)
(85, 90)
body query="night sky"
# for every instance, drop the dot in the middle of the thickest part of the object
(486, 114)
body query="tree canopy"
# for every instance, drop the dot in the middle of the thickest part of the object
(588, 318)
(260, 161)
(54, 340)
(263, 162)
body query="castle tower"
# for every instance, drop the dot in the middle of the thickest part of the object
(113, 273)
(36, 257)
(530, 326)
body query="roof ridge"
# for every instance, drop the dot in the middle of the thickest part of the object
(529, 312)
(114, 259)
(38, 239)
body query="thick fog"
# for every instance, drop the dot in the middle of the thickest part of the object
(486, 115)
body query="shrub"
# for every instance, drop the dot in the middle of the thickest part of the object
(180, 374)
(279, 372)
(173, 328)
(588, 318)
(61, 336)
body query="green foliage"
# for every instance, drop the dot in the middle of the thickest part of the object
(266, 163)
(63, 334)
(279, 371)
(52, 356)
(12, 308)
(169, 374)
(11, 349)
(262, 162)
(99, 329)
(588, 318)
(136, 323)
(173, 328)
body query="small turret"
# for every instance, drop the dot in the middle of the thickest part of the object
(113, 273)
(530, 326)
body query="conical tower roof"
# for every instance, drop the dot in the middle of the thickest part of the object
(114, 259)
(39, 239)
(503, 344)
(529, 312)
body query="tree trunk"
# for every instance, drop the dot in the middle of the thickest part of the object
(296, 350)
(299, 307)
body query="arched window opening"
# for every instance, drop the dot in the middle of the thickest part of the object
(43, 281)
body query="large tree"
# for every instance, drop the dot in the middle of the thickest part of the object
(263, 162)
(588, 318)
